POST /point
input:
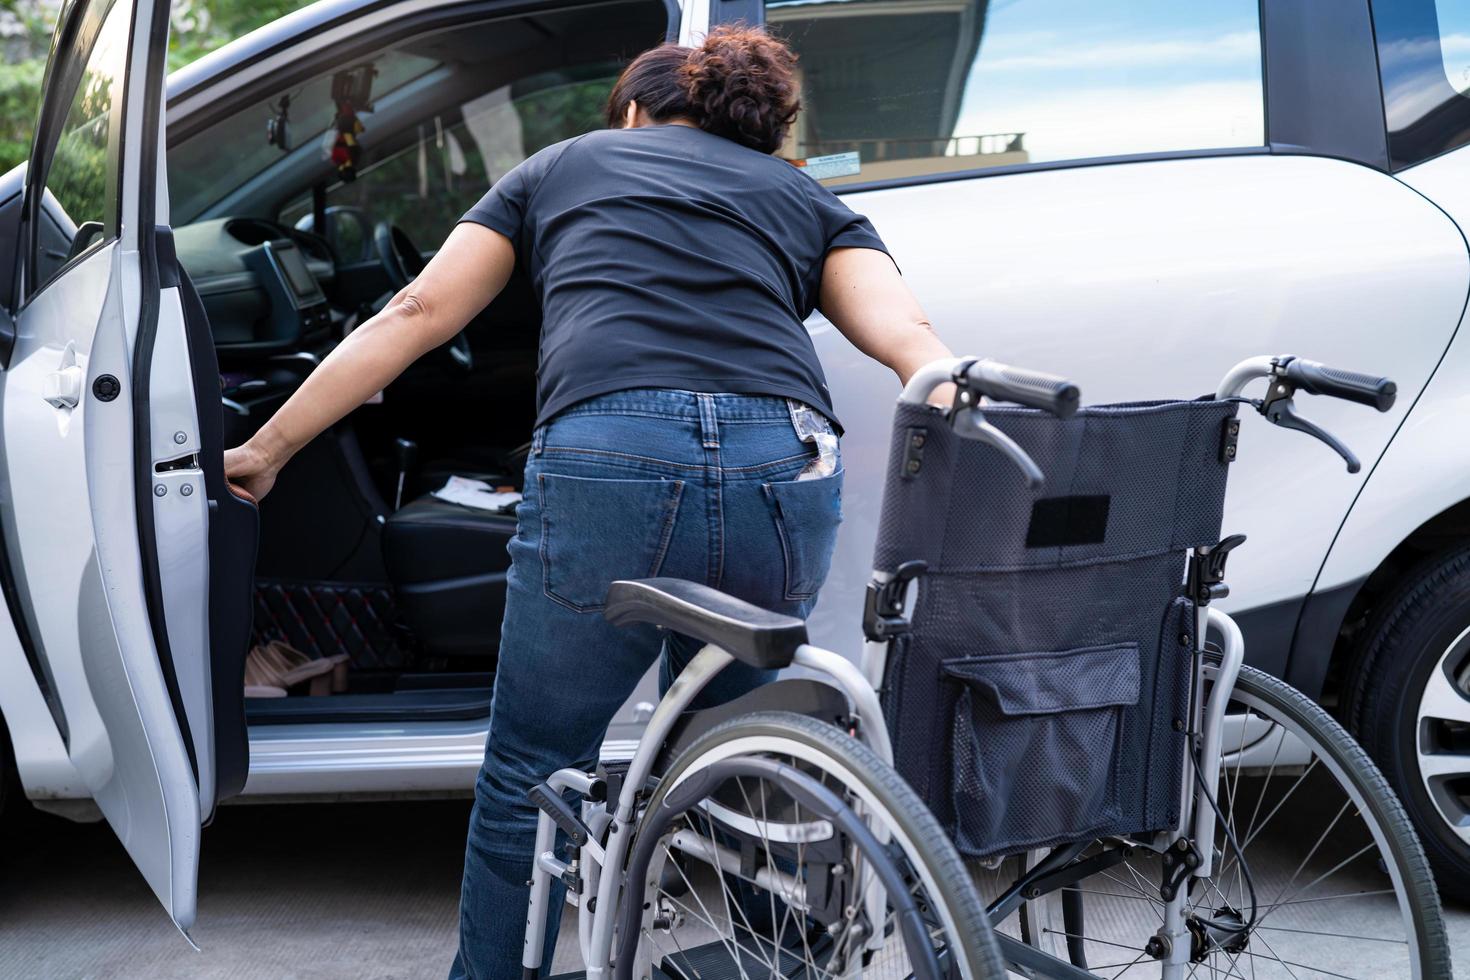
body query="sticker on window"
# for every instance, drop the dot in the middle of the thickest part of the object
(831, 165)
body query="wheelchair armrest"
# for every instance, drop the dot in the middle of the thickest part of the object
(747, 632)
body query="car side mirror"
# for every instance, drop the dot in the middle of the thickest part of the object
(86, 232)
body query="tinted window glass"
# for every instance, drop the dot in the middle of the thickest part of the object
(899, 88)
(82, 175)
(1424, 60)
(209, 164)
(426, 187)
(425, 84)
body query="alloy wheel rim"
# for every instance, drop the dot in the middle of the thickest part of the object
(1442, 737)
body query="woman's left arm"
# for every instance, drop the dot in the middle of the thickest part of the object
(460, 281)
(868, 301)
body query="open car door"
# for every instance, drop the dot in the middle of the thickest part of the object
(127, 561)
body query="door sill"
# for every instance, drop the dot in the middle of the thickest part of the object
(371, 760)
(463, 704)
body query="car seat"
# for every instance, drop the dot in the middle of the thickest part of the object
(448, 563)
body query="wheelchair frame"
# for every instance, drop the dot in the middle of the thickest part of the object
(595, 930)
(861, 684)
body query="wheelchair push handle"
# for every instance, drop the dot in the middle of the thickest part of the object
(1288, 374)
(1003, 383)
(1319, 379)
(975, 379)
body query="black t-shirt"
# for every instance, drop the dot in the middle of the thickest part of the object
(668, 257)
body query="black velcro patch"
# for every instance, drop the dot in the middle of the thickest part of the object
(1060, 521)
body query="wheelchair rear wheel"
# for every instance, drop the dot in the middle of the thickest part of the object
(1333, 882)
(796, 893)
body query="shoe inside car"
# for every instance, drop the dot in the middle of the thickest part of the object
(273, 668)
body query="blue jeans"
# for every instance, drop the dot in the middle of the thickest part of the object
(627, 485)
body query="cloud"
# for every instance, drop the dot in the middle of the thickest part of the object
(1029, 52)
(1090, 122)
(1415, 72)
(1455, 44)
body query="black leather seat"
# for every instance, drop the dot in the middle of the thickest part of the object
(448, 565)
(749, 633)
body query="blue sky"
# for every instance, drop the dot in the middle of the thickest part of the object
(1100, 77)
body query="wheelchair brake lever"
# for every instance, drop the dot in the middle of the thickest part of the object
(963, 421)
(1282, 411)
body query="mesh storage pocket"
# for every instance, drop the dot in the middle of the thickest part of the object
(1035, 745)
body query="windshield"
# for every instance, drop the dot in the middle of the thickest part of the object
(216, 160)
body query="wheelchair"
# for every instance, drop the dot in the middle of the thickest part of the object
(1051, 759)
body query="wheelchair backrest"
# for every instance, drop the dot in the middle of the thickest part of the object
(1041, 692)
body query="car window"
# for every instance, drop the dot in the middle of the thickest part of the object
(215, 160)
(426, 186)
(1424, 62)
(905, 88)
(82, 175)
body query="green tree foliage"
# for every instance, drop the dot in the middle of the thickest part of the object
(557, 113)
(199, 26)
(19, 84)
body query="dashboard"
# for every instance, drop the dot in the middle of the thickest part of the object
(262, 284)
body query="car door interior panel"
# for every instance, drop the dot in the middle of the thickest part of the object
(234, 527)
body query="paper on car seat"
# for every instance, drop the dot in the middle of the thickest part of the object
(477, 493)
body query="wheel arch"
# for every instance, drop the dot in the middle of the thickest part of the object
(1329, 622)
(1412, 504)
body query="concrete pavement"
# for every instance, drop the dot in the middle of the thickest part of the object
(304, 892)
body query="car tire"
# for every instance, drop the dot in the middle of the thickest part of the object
(10, 788)
(1403, 703)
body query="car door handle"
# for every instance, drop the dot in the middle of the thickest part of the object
(62, 388)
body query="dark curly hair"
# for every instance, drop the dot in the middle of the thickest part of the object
(738, 84)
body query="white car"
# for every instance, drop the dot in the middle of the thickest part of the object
(1135, 195)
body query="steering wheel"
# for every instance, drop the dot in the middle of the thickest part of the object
(402, 262)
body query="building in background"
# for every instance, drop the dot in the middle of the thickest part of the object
(899, 113)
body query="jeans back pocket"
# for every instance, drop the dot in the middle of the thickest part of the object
(1034, 745)
(807, 514)
(595, 531)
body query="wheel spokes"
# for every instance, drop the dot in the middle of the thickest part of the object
(1326, 905)
(790, 943)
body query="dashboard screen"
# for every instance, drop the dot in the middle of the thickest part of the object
(299, 281)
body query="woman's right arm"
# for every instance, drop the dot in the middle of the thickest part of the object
(865, 298)
(460, 281)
